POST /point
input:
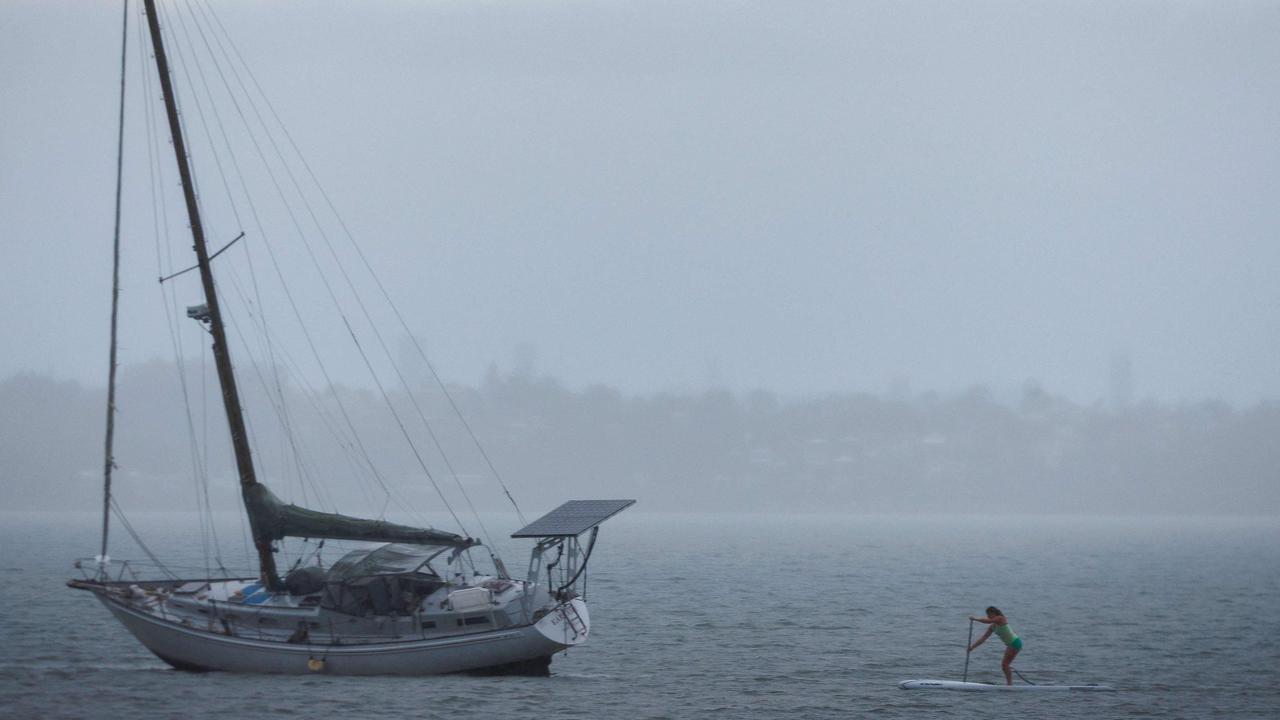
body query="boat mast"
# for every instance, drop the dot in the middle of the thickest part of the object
(108, 462)
(221, 356)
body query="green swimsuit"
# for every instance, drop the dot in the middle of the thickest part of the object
(1008, 636)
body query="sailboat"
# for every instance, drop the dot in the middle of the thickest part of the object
(405, 600)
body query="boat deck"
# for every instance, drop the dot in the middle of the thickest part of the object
(244, 608)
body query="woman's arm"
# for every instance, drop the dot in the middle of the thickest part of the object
(997, 620)
(982, 639)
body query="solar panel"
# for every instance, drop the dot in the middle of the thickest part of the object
(573, 518)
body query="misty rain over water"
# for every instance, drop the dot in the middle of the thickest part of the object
(884, 313)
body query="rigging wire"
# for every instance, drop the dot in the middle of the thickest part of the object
(128, 526)
(199, 458)
(204, 470)
(275, 391)
(364, 260)
(288, 437)
(160, 228)
(368, 318)
(310, 395)
(387, 490)
(281, 407)
(328, 287)
(208, 530)
(351, 239)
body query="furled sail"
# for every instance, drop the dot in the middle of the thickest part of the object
(273, 520)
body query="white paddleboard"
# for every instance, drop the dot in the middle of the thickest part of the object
(987, 687)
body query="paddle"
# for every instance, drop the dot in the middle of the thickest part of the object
(967, 650)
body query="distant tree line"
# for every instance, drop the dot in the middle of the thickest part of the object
(712, 450)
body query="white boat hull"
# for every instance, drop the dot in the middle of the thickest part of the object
(988, 687)
(530, 646)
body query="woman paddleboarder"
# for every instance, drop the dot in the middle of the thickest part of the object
(1000, 626)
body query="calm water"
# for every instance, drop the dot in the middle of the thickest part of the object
(746, 616)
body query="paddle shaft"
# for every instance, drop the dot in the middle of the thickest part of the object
(967, 650)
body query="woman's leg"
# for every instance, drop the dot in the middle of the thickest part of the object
(1007, 664)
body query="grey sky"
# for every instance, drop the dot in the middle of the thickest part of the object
(799, 196)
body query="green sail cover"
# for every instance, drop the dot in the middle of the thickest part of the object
(273, 520)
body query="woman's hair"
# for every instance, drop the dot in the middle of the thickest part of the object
(993, 610)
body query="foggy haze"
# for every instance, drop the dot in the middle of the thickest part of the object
(669, 196)
(887, 304)
(821, 257)
(712, 451)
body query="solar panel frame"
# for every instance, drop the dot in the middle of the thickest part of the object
(573, 518)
